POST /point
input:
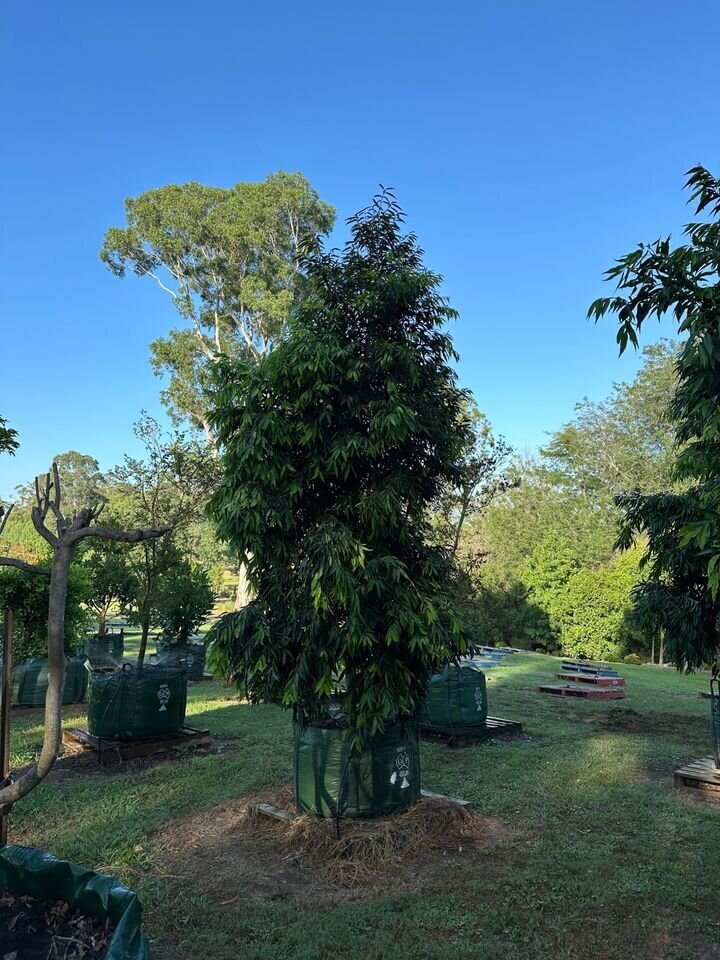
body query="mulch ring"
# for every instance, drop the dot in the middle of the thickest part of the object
(232, 852)
(32, 929)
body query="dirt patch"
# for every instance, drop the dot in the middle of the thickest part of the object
(77, 764)
(232, 853)
(665, 946)
(625, 718)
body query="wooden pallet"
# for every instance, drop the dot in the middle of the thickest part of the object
(587, 693)
(704, 695)
(453, 737)
(700, 774)
(591, 678)
(113, 751)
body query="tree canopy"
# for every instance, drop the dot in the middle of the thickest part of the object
(334, 447)
(682, 528)
(230, 259)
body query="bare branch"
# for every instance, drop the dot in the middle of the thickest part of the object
(5, 516)
(121, 536)
(22, 565)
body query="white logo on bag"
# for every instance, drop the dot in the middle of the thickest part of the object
(479, 697)
(163, 696)
(402, 762)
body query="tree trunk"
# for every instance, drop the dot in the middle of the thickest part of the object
(143, 642)
(662, 649)
(243, 594)
(56, 680)
(652, 650)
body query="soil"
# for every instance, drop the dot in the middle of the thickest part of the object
(32, 929)
(232, 854)
(625, 718)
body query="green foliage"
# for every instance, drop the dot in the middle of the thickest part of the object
(633, 659)
(594, 611)
(335, 444)
(182, 602)
(230, 259)
(8, 438)
(683, 530)
(28, 596)
(20, 538)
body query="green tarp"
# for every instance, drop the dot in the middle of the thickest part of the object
(130, 704)
(30, 681)
(25, 870)
(457, 698)
(192, 656)
(332, 781)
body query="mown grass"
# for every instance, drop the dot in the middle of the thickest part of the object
(606, 860)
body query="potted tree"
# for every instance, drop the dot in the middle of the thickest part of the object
(334, 445)
(182, 603)
(106, 568)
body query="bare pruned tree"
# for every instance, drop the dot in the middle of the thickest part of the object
(64, 536)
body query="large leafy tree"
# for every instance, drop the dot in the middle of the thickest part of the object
(335, 445)
(230, 260)
(683, 529)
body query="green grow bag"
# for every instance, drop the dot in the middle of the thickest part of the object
(30, 680)
(192, 655)
(382, 778)
(456, 698)
(106, 651)
(130, 704)
(715, 722)
(25, 870)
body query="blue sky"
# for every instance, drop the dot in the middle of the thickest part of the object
(529, 142)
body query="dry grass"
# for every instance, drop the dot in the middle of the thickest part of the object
(365, 849)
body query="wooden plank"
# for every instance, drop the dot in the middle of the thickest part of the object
(276, 813)
(465, 804)
(700, 775)
(111, 751)
(587, 693)
(592, 678)
(466, 737)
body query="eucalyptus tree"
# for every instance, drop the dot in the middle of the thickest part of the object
(230, 260)
(682, 528)
(334, 447)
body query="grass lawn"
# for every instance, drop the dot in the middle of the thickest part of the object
(604, 858)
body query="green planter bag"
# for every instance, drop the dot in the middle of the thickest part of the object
(332, 781)
(31, 872)
(106, 651)
(456, 699)
(191, 655)
(715, 721)
(30, 680)
(132, 704)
